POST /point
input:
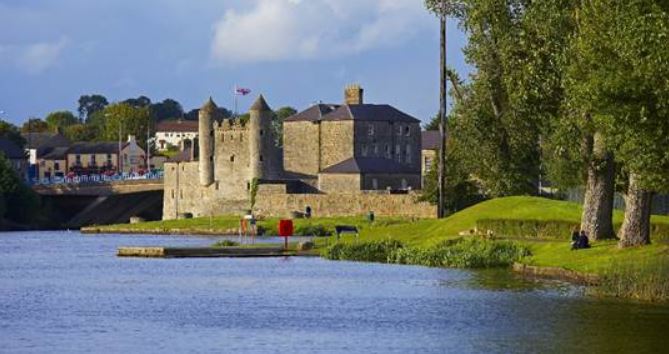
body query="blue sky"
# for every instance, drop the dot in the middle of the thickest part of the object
(295, 52)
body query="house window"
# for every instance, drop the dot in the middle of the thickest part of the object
(375, 183)
(428, 164)
(407, 131)
(370, 130)
(56, 166)
(92, 160)
(260, 158)
(408, 153)
(405, 185)
(376, 149)
(364, 150)
(388, 151)
(399, 130)
(109, 159)
(398, 153)
(77, 160)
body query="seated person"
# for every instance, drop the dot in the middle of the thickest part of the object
(583, 241)
(574, 239)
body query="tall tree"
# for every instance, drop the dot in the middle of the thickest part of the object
(89, 104)
(60, 120)
(139, 102)
(277, 122)
(35, 125)
(622, 62)
(122, 120)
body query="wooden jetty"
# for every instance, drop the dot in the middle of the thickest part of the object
(184, 252)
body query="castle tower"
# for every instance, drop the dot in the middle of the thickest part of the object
(206, 142)
(353, 94)
(261, 141)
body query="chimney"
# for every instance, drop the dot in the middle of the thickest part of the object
(353, 94)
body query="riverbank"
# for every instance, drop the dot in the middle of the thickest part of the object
(541, 225)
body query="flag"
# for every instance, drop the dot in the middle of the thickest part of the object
(242, 91)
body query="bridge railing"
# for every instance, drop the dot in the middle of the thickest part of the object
(98, 178)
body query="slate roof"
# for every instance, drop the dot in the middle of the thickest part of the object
(429, 140)
(11, 150)
(370, 165)
(314, 113)
(45, 142)
(362, 112)
(94, 148)
(178, 126)
(58, 153)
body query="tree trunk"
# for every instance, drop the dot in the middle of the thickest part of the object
(599, 191)
(636, 226)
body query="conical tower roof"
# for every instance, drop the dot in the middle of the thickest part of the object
(209, 106)
(260, 105)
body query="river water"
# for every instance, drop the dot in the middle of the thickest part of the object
(64, 292)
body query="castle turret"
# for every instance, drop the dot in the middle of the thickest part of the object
(206, 142)
(261, 140)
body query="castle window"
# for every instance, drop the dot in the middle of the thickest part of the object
(232, 137)
(398, 153)
(371, 129)
(241, 136)
(261, 132)
(375, 183)
(181, 194)
(232, 158)
(408, 154)
(388, 151)
(376, 149)
(407, 131)
(364, 150)
(211, 158)
(260, 158)
(172, 193)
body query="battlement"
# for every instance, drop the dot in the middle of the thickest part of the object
(232, 124)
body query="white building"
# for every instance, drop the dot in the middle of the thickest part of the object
(172, 133)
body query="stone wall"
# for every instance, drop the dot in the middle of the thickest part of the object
(399, 141)
(336, 142)
(339, 182)
(232, 160)
(344, 204)
(301, 147)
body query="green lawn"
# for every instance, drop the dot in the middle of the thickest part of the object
(428, 232)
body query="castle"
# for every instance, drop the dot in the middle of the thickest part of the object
(343, 159)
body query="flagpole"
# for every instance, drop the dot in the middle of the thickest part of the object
(234, 94)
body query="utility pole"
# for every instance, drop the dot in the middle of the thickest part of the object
(442, 116)
(148, 147)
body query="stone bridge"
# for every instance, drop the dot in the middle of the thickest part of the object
(103, 203)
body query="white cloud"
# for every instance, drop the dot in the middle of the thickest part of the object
(276, 30)
(34, 58)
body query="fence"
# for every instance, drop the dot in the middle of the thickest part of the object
(660, 204)
(98, 178)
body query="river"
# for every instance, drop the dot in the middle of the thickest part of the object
(63, 292)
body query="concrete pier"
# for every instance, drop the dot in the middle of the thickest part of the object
(183, 252)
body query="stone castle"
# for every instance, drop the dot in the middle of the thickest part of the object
(343, 159)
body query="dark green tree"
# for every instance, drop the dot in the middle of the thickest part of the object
(166, 110)
(139, 102)
(89, 104)
(277, 122)
(81, 132)
(122, 120)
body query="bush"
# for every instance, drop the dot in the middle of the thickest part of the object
(464, 253)
(644, 280)
(371, 251)
(552, 229)
(225, 243)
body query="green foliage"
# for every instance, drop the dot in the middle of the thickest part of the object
(253, 192)
(618, 70)
(80, 132)
(313, 230)
(225, 243)
(20, 204)
(126, 120)
(35, 125)
(464, 253)
(10, 132)
(60, 120)
(371, 251)
(167, 109)
(277, 122)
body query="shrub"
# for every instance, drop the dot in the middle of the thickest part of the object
(313, 230)
(553, 229)
(464, 253)
(225, 243)
(371, 251)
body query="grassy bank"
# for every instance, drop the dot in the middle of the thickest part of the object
(539, 225)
